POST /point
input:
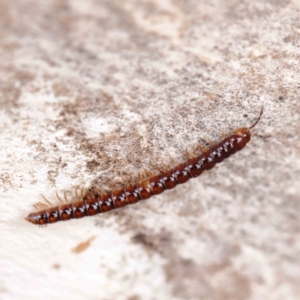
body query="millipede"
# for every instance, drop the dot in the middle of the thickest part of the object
(95, 203)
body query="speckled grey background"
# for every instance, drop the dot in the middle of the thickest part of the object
(93, 91)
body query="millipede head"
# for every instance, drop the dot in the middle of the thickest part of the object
(245, 132)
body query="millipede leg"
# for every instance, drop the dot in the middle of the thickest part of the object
(76, 194)
(171, 158)
(156, 167)
(65, 197)
(164, 167)
(82, 192)
(262, 136)
(187, 153)
(59, 199)
(124, 180)
(148, 173)
(141, 174)
(46, 200)
(202, 148)
(223, 134)
(40, 205)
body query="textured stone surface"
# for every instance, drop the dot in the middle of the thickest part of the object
(94, 90)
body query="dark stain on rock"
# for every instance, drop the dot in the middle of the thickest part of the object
(134, 297)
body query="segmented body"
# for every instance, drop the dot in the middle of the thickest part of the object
(96, 204)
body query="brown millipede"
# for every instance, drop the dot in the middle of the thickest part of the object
(93, 204)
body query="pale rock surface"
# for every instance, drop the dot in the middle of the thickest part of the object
(94, 90)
